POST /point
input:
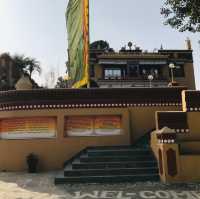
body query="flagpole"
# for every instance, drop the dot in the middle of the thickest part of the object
(88, 25)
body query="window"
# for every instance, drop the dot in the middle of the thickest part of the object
(150, 70)
(178, 71)
(112, 73)
(133, 71)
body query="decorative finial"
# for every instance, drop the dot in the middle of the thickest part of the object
(130, 44)
(188, 44)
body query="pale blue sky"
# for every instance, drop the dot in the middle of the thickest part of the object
(37, 28)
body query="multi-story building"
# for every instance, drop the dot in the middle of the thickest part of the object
(137, 68)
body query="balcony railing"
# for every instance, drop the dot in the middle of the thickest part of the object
(132, 79)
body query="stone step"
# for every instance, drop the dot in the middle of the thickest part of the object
(86, 158)
(106, 179)
(110, 171)
(117, 152)
(110, 147)
(112, 164)
(102, 165)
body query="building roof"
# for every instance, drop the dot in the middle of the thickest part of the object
(71, 98)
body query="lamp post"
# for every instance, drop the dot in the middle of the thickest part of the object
(172, 67)
(150, 78)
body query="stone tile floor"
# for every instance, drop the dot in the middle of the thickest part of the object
(41, 186)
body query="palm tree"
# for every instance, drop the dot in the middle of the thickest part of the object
(27, 64)
(19, 62)
(32, 65)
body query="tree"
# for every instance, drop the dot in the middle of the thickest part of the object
(8, 74)
(19, 63)
(27, 64)
(183, 15)
(61, 83)
(13, 67)
(32, 66)
(99, 45)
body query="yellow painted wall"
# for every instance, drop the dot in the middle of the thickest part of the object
(187, 149)
(98, 72)
(54, 152)
(189, 75)
(142, 119)
(194, 125)
(189, 165)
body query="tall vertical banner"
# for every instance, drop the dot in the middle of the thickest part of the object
(77, 17)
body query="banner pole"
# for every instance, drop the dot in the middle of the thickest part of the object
(88, 25)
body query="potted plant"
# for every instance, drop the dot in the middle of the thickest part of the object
(32, 161)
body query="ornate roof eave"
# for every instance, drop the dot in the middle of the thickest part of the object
(175, 51)
(90, 98)
(133, 56)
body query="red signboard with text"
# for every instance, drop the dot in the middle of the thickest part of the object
(93, 125)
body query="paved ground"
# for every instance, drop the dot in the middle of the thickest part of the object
(41, 186)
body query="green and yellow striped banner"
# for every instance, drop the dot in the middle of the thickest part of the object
(78, 41)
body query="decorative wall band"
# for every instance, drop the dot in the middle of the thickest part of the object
(194, 109)
(182, 130)
(163, 141)
(63, 106)
(166, 138)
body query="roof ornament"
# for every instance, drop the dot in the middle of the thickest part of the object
(130, 44)
(123, 49)
(188, 44)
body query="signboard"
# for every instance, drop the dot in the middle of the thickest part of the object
(79, 126)
(93, 125)
(27, 128)
(108, 125)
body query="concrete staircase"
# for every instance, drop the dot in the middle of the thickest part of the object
(110, 165)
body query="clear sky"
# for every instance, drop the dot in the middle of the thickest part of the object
(37, 28)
